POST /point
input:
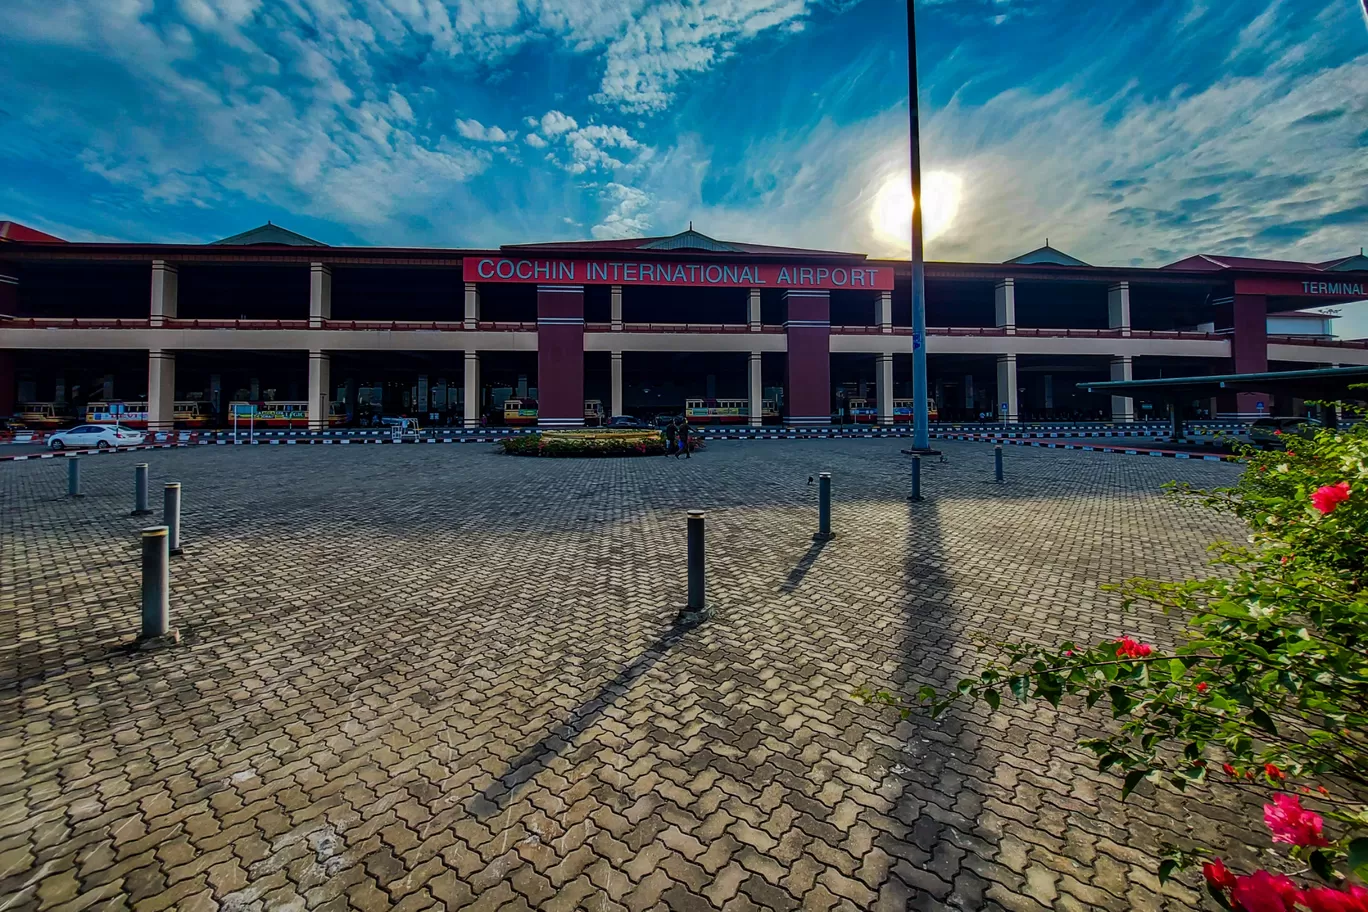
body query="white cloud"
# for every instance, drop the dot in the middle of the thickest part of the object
(627, 218)
(554, 123)
(474, 130)
(535, 141)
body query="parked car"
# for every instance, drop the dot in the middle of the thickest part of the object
(100, 436)
(627, 423)
(1273, 433)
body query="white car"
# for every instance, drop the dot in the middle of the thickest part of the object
(100, 436)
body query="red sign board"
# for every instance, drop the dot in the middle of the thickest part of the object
(1327, 286)
(715, 275)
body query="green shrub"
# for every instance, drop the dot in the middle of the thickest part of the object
(1270, 689)
(589, 444)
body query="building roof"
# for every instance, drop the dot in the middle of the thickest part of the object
(1214, 263)
(270, 234)
(1357, 262)
(685, 242)
(1047, 255)
(13, 231)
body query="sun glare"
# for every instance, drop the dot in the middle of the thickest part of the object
(892, 213)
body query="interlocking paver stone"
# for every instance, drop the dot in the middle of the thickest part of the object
(436, 677)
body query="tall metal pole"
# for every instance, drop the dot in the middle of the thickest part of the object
(921, 417)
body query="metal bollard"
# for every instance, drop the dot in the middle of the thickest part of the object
(696, 611)
(997, 463)
(916, 479)
(156, 583)
(140, 490)
(823, 508)
(74, 476)
(171, 516)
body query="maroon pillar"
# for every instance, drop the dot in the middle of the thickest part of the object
(9, 304)
(6, 383)
(1249, 349)
(807, 376)
(560, 355)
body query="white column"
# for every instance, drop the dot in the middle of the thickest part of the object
(883, 311)
(161, 390)
(969, 391)
(472, 305)
(1123, 407)
(883, 381)
(471, 391)
(1007, 387)
(1118, 307)
(757, 392)
(320, 295)
(1004, 303)
(165, 290)
(320, 380)
(617, 384)
(615, 294)
(753, 310)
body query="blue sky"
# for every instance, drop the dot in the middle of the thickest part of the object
(1125, 132)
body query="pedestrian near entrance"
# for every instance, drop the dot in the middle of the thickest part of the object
(684, 433)
(671, 436)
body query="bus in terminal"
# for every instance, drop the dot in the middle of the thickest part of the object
(41, 416)
(866, 411)
(726, 411)
(283, 414)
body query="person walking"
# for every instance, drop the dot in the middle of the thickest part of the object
(671, 434)
(684, 432)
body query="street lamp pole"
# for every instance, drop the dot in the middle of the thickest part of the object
(921, 418)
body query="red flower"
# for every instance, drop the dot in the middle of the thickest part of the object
(1277, 433)
(1291, 823)
(1272, 771)
(1264, 892)
(1202, 687)
(1230, 771)
(1328, 497)
(1328, 899)
(1130, 649)
(1218, 875)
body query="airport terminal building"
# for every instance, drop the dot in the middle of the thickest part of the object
(641, 326)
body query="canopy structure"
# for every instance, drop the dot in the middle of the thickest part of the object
(1319, 383)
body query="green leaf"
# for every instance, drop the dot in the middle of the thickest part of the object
(1133, 778)
(1166, 869)
(993, 697)
(1264, 721)
(1358, 857)
(1320, 863)
(1020, 686)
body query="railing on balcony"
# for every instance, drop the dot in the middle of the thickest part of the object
(1324, 341)
(1030, 332)
(73, 323)
(178, 323)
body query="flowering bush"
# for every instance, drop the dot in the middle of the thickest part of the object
(589, 444)
(1270, 686)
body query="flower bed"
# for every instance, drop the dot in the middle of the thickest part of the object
(595, 443)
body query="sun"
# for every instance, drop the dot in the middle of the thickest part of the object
(892, 212)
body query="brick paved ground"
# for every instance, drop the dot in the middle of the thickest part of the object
(433, 676)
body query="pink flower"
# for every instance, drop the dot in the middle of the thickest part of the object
(1291, 823)
(1264, 892)
(1328, 497)
(1218, 875)
(1130, 649)
(1328, 899)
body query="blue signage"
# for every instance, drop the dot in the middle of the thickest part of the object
(916, 341)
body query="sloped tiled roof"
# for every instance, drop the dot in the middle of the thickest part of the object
(1214, 263)
(685, 241)
(13, 231)
(270, 234)
(1048, 256)
(1357, 263)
